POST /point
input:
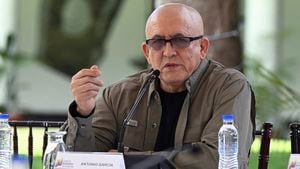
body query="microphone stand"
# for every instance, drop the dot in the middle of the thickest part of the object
(132, 111)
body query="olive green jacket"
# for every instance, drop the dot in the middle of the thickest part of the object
(212, 91)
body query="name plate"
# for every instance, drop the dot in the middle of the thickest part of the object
(294, 162)
(89, 160)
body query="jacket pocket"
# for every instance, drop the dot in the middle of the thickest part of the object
(134, 138)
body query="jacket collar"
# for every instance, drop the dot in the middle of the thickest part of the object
(190, 84)
(194, 79)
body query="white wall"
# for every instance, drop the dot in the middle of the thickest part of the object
(124, 42)
(289, 62)
(272, 33)
(28, 26)
(7, 20)
(260, 31)
(42, 89)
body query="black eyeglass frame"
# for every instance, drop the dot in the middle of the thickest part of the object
(169, 40)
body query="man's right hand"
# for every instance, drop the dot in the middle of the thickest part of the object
(85, 86)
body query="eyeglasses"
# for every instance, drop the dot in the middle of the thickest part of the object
(177, 42)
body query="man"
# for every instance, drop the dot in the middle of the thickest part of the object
(184, 106)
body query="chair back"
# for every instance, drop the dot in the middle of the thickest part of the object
(30, 125)
(295, 138)
(265, 133)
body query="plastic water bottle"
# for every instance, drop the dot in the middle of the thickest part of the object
(20, 162)
(228, 144)
(5, 142)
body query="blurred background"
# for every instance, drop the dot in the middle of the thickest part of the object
(44, 42)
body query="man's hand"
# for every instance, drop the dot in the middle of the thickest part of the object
(85, 86)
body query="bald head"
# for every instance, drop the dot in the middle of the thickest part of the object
(173, 14)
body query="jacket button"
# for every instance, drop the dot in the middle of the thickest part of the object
(154, 125)
(82, 126)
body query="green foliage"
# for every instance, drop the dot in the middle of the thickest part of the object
(9, 61)
(275, 100)
(37, 144)
(277, 160)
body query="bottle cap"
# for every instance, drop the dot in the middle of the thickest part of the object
(3, 116)
(228, 117)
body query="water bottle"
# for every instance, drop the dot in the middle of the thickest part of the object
(20, 162)
(228, 144)
(5, 142)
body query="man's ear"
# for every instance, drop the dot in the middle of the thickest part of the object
(145, 50)
(204, 47)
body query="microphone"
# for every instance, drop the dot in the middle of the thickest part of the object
(131, 113)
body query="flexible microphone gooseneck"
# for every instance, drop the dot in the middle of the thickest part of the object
(131, 113)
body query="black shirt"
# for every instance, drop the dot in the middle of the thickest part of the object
(171, 107)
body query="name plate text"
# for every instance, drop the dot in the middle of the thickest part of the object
(89, 160)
